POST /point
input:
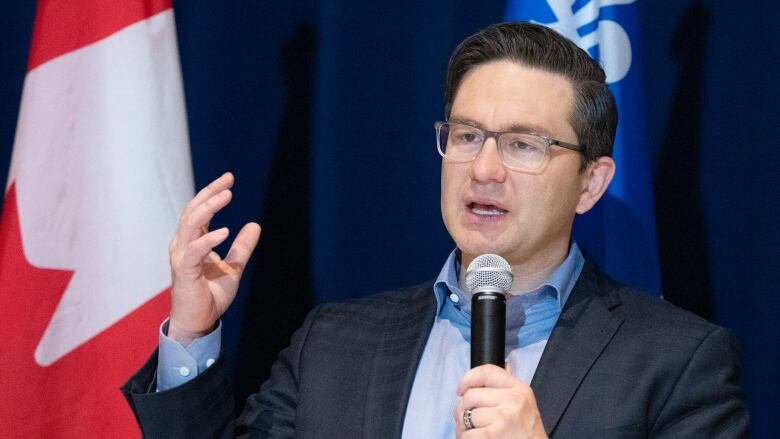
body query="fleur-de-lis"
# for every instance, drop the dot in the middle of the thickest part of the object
(612, 41)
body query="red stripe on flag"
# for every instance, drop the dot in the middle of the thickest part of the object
(78, 395)
(62, 26)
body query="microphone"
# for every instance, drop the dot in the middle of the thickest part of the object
(488, 280)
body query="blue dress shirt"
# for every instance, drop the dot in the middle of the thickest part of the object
(446, 358)
(531, 317)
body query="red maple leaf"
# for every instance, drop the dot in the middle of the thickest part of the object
(77, 396)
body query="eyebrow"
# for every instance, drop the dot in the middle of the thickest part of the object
(536, 129)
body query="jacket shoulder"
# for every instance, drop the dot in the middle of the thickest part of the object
(641, 310)
(656, 315)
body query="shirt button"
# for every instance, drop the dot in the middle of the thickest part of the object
(209, 362)
(184, 371)
(454, 297)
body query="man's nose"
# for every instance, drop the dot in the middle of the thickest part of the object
(487, 165)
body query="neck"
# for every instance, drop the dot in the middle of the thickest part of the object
(528, 273)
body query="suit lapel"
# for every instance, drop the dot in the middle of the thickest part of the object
(586, 325)
(402, 337)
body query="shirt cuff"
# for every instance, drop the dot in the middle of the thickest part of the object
(176, 364)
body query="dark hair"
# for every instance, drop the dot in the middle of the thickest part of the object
(593, 114)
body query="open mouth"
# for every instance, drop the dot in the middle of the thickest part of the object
(486, 209)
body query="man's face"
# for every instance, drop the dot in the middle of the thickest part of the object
(487, 208)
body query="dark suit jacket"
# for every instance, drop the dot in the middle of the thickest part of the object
(618, 364)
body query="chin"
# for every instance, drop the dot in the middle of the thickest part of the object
(479, 247)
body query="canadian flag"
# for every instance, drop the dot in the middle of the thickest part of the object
(99, 174)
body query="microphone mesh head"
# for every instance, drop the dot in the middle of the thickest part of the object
(488, 270)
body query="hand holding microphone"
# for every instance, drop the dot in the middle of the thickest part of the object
(492, 402)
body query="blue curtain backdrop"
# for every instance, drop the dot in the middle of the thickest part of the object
(325, 111)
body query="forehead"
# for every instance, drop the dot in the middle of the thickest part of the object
(506, 95)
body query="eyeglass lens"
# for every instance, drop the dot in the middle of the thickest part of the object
(462, 143)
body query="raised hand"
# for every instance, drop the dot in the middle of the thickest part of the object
(204, 285)
(501, 406)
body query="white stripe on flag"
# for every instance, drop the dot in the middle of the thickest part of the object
(102, 169)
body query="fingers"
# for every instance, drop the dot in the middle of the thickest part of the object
(487, 397)
(498, 411)
(484, 421)
(190, 225)
(198, 249)
(500, 404)
(194, 223)
(480, 418)
(479, 398)
(201, 209)
(243, 246)
(225, 181)
(486, 375)
(482, 397)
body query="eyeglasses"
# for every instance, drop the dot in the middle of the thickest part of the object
(520, 151)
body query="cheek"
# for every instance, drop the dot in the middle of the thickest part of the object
(451, 178)
(541, 200)
(559, 202)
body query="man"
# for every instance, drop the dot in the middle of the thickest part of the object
(526, 147)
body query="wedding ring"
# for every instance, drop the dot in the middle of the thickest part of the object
(467, 418)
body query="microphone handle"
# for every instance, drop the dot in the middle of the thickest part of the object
(488, 328)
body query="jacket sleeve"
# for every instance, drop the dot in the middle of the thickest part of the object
(203, 407)
(707, 400)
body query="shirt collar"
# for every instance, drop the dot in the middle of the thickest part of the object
(559, 284)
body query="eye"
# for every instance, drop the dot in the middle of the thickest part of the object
(524, 146)
(465, 136)
(469, 137)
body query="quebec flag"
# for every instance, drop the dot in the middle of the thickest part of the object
(620, 231)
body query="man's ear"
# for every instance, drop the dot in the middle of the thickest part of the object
(595, 180)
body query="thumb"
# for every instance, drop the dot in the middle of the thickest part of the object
(508, 368)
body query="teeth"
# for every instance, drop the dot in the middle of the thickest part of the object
(491, 212)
